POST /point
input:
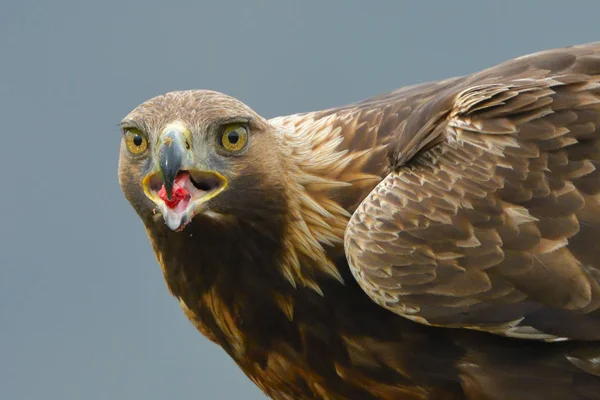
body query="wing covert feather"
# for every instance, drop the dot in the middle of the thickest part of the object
(495, 225)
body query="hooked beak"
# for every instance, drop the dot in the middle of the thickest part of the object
(177, 186)
(171, 153)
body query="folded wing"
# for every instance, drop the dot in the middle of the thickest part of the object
(491, 218)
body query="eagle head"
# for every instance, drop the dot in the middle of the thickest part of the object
(198, 154)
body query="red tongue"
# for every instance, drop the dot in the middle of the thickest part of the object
(179, 192)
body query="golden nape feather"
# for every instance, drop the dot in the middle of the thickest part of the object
(440, 241)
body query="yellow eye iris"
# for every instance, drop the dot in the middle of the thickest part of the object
(234, 137)
(135, 141)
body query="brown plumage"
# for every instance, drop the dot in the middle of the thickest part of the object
(437, 242)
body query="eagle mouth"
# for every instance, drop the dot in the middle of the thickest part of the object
(191, 188)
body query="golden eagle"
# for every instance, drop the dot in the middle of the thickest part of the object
(440, 241)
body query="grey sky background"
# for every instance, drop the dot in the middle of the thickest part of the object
(84, 310)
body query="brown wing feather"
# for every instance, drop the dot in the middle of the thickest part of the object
(491, 219)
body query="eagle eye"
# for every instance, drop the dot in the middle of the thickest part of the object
(234, 137)
(136, 142)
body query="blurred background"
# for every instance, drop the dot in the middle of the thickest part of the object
(84, 310)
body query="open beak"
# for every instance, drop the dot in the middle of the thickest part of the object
(177, 187)
(170, 155)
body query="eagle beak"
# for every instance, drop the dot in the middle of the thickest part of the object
(172, 152)
(179, 189)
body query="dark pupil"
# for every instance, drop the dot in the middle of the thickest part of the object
(137, 140)
(233, 137)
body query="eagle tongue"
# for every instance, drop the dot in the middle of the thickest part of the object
(179, 192)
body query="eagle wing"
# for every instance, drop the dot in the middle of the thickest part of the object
(490, 217)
